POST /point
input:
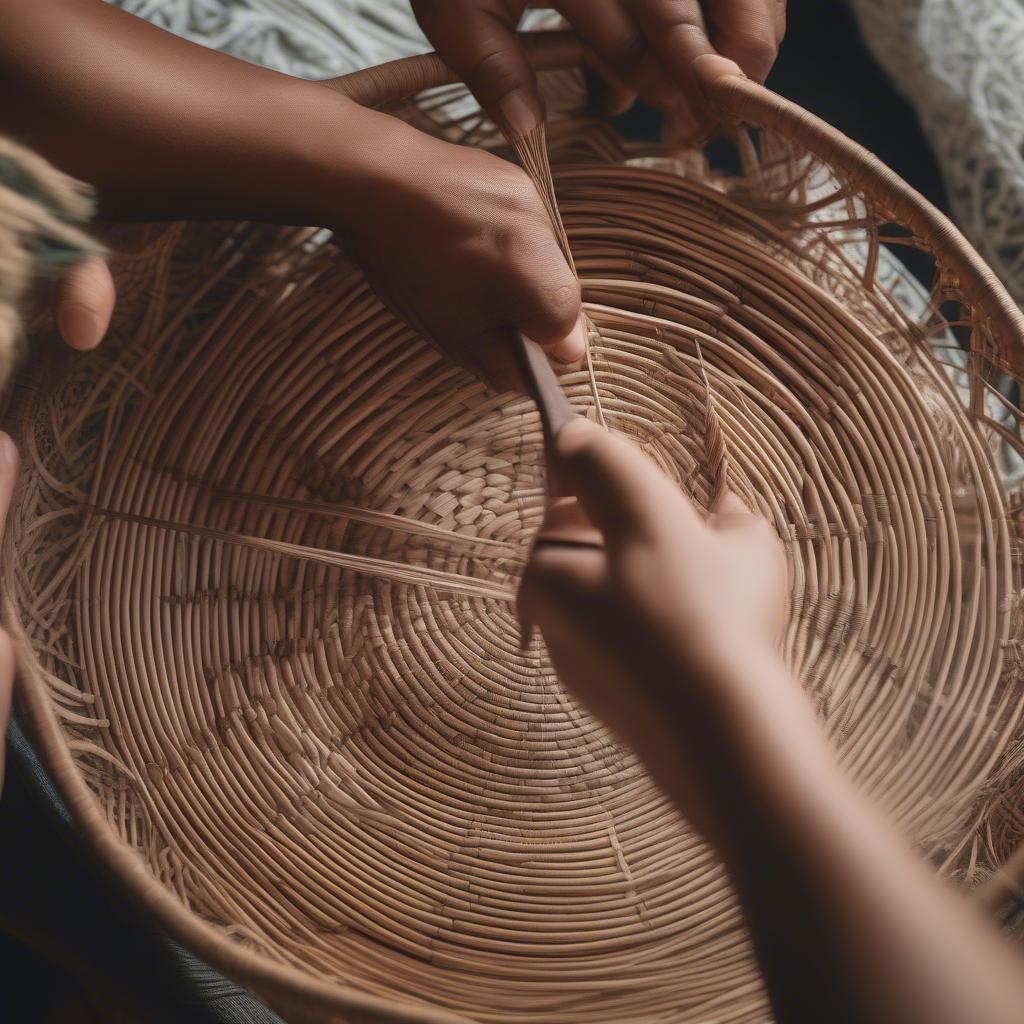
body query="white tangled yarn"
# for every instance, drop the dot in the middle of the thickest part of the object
(961, 64)
(306, 38)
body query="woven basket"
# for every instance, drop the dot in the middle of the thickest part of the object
(262, 561)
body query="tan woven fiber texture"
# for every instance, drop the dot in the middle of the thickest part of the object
(267, 543)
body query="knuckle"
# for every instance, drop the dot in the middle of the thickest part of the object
(756, 49)
(562, 304)
(751, 41)
(499, 239)
(629, 53)
(523, 193)
(547, 299)
(515, 197)
(495, 72)
(431, 14)
(525, 209)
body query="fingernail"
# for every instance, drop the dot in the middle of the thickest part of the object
(81, 327)
(518, 113)
(731, 503)
(709, 67)
(618, 103)
(573, 347)
(579, 426)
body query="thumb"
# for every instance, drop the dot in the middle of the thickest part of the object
(623, 493)
(565, 522)
(84, 303)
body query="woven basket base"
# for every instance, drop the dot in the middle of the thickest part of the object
(270, 542)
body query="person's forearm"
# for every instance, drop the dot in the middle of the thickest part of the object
(167, 129)
(849, 926)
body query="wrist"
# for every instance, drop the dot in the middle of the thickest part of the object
(344, 159)
(743, 734)
(318, 173)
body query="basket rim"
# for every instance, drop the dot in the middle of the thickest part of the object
(737, 100)
(266, 976)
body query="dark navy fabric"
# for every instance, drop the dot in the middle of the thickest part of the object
(72, 945)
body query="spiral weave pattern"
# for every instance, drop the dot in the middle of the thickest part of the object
(268, 545)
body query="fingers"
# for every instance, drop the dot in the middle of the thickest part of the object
(619, 49)
(644, 47)
(477, 40)
(748, 32)
(84, 303)
(492, 358)
(621, 491)
(536, 304)
(561, 345)
(567, 523)
(560, 582)
(563, 514)
(8, 476)
(650, 46)
(711, 66)
(679, 35)
(534, 288)
(541, 295)
(605, 89)
(730, 512)
(732, 517)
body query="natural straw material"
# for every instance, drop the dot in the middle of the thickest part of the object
(39, 208)
(262, 562)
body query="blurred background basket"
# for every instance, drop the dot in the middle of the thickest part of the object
(266, 544)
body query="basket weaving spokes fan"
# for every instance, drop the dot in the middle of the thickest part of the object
(268, 540)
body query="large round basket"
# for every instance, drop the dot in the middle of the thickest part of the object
(262, 562)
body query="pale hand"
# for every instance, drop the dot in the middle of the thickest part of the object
(652, 631)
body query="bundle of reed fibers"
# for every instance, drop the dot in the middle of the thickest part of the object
(267, 541)
(39, 211)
